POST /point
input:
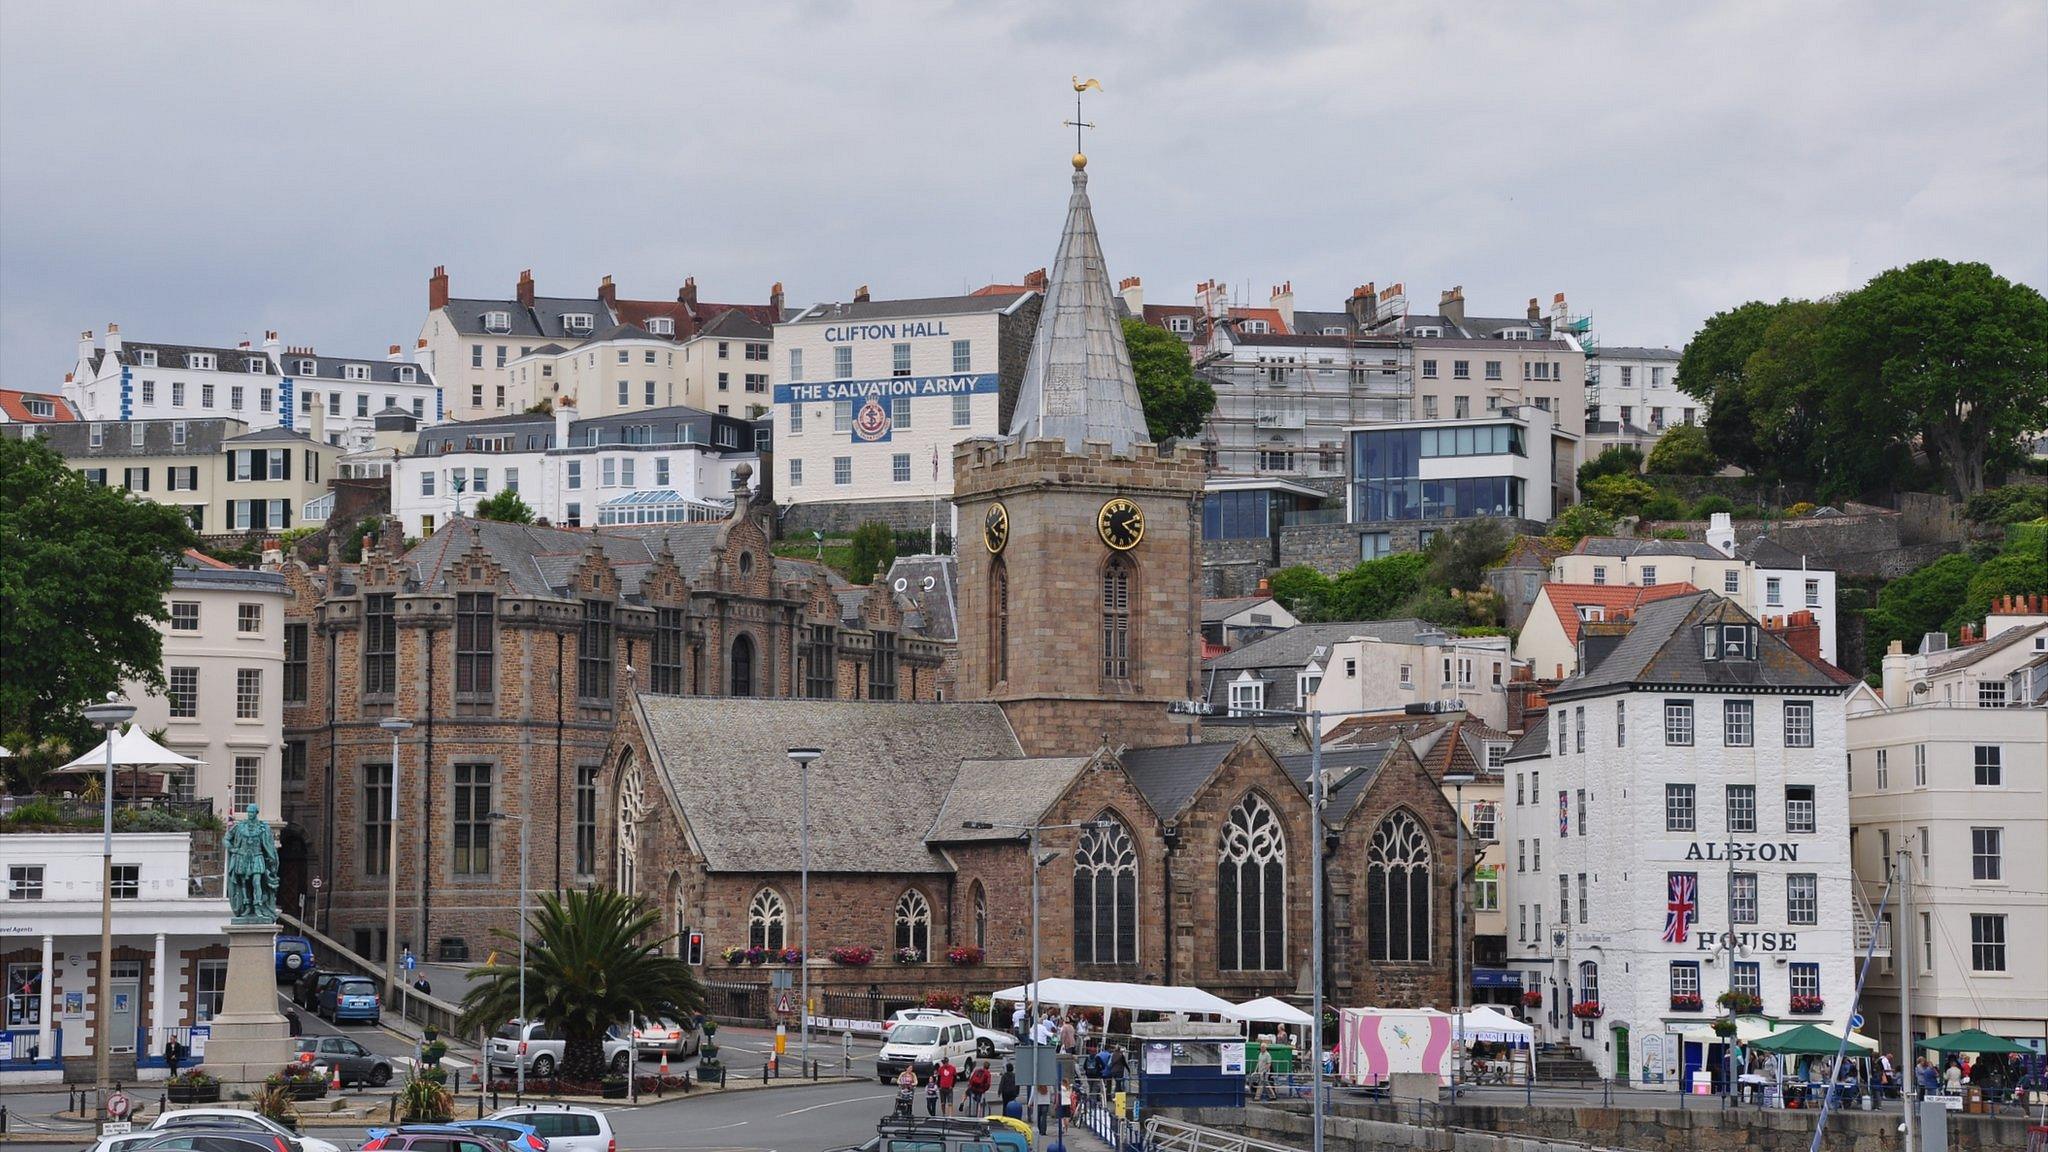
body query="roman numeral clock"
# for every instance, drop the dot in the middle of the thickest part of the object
(1121, 524)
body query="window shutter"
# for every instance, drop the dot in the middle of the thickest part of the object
(286, 507)
(286, 455)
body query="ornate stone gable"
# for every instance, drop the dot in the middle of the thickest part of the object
(665, 583)
(741, 563)
(477, 571)
(595, 579)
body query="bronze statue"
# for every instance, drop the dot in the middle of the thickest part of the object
(252, 871)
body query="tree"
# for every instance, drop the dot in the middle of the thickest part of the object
(1459, 558)
(1620, 495)
(1714, 369)
(1952, 354)
(1374, 589)
(1301, 590)
(84, 570)
(593, 959)
(1580, 521)
(874, 549)
(1617, 460)
(506, 507)
(1921, 601)
(1176, 401)
(1683, 451)
(2019, 569)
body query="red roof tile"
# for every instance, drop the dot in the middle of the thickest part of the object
(1615, 600)
(15, 404)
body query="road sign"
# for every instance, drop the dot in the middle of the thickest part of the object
(785, 1001)
(1856, 1021)
(118, 1105)
(781, 978)
(116, 1128)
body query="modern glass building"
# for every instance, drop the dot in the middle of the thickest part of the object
(1499, 465)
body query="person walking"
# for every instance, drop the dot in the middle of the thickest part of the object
(945, 1076)
(906, 1086)
(1017, 1022)
(1041, 1105)
(1262, 1073)
(977, 1088)
(1118, 1067)
(1068, 1037)
(1006, 1090)
(931, 1096)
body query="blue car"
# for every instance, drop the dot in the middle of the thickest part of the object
(350, 998)
(294, 958)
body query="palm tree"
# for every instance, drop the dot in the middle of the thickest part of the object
(594, 959)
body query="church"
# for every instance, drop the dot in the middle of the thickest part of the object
(1167, 853)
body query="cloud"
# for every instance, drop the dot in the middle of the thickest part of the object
(206, 171)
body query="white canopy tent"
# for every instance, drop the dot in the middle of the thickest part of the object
(1109, 994)
(1272, 1010)
(1490, 1025)
(132, 749)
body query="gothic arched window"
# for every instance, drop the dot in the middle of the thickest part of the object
(914, 923)
(675, 908)
(1397, 890)
(1116, 618)
(1106, 895)
(767, 921)
(980, 900)
(742, 665)
(631, 810)
(999, 623)
(1251, 889)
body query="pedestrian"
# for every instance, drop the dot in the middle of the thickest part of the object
(906, 1086)
(1953, 1079)
(174, 1054)
(1262, 1073)
(1068, 1037)
(1041, 1105)
(1924, 1075)
(931, 1096)
(1006, 1089)
(977, 1088)
(1118, 1066)
(945, 1076)
(1017, 1022)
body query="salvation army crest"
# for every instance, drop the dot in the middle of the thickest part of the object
(872, 422)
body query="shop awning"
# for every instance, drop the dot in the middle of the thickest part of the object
(1972, 1040)
(1493, 1026)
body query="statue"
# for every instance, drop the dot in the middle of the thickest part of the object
(252, 871)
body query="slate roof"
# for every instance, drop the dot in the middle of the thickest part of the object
(544, 319)
(72, 439)
(1621, 547)
(1628, 352)
(735, 324)
(1765, 552)
(179, 356)
(1534, 743)
(1292, 647)
(1169, 775)
(1966, 656)
(901, 309)
(1614, 600)
(887, 771)
(197, 570)
(1218, 610)
(1352, 771)
(276, 434)
(1445, 743)
(382, 371)
(1663, 648)
(936, 612)
(1009, 791)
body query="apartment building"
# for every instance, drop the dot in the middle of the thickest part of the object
(1638, 387)
(1410, 479)
(1948, 803)
(226, 478)
(352, 392)
(659, 466)
(1367, 665)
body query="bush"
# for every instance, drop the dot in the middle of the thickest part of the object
(36, 812)
(1619, 495)
(1580, 521)
(1708, 505)
(874, 549)
(1459, 558)
(1683, 451)
(2011, 504)
(1663, 506)
(1673, 534)
(504, 506)
(1802, 508)
(1619, 460)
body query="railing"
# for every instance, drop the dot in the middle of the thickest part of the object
(21, 1048)
(1164, 1135)
(1868, 938)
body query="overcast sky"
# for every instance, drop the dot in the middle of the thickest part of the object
(201, 172)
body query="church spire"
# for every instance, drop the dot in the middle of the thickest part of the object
(1078, 384)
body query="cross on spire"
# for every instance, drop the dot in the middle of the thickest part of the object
(1077, 124)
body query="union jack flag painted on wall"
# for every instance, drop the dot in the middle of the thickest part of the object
(1681, 907)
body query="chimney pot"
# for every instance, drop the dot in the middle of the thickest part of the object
(860, 294)
(606, 292)
(437, 288)
(687, 297)
(525, 288)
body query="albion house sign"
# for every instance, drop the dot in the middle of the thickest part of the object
(1767, 851)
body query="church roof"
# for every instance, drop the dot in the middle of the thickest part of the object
(1002, 792)
(1078, 384)
(887, 771)
(1169, 775)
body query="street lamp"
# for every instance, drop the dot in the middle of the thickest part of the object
(1031, 832)
(109, 716)
(803, 758)
(519, 1069)
(1458, 780)
(393, 725)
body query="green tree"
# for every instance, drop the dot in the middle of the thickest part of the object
(1460, 557)
(1954, 355)
(1922, 601)
(1301, 590)
(1714, 369)
(1617, 460)
(1580, 521)
(2019, 569)
(1620, 495)
(1683, 451)
(1176, 400)
(83, 574)
(593, 959)
(874, 549)
(1374, 589)
(504, 506)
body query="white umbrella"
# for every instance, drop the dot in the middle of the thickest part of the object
(132, 749)
(1273, 1010)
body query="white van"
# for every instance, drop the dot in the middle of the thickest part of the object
(921, 1043)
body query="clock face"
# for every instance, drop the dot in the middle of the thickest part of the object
(995, 528)
(1121, 523)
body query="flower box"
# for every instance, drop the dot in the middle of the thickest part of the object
(1532, 998)
(909, 956)
(790, 956)
(964, 955)
(1687, 1003)
(855, 957)
(182, 1091)
(615, 1087)
(734, 955)
(1808, 1005)
(1587, 1010)
(1740, 1003)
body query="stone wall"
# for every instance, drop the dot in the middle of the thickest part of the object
(1706, 1127)
(1235, 567)
(798, 521)
(1872, 544)
(1334, 548)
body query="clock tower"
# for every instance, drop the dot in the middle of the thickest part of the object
(1080, 540)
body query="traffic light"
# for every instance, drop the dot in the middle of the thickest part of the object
(693, 950)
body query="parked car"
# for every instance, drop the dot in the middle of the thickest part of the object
(197, 1139)
(988, 1043)
(357, 1064)
(565, 1127)
(213, 1117)
(515, 1137)
(121, 1142)
(294, 957)
(429, 1138)
(540, 1047)
(921, 1043)
(306, 991)
(350, 998)
(662, 1034)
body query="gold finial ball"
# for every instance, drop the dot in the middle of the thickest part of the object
(1080, 161)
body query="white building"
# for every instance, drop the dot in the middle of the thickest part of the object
(1683, 794)
(267, 387)
(1950, 771)
(1428, 473)
(651, 467)
(1639, 387)
(171, 968)
(871, 397)
(1369, 665)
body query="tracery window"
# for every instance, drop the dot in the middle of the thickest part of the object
(1106, 895)
(1397, 890)
(1251, 889)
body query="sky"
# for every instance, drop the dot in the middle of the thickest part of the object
(202, 172)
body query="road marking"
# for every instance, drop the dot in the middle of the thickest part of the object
(723, 1127)
(834, 1104)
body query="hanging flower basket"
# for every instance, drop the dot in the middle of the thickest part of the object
(1533, 998)
(947, 1001)
(1687, 1002)
(964, 955)
(1740, 1003)
(855, 957)
(909, 956)
(1724, 1028)
(1808, 1005)
(734, 954)
(1587, 1010)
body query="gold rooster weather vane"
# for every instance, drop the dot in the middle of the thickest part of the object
(1080, 86)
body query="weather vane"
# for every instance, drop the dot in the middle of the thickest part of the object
(1077, 124)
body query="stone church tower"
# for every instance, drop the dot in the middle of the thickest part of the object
(1080, 540)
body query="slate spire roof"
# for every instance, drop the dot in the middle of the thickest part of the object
(1078, 384)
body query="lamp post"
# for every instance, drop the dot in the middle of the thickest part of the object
(1458, 780)
(1031, 832)
(395, 726)
(519, 1069)
(109, 716)
(803, 758)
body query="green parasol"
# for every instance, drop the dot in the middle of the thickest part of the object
(1972, 1040)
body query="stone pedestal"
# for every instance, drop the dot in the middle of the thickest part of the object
(250, 1038)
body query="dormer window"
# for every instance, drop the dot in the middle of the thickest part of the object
(578, 321)
(309, 368)
(1595, 612)
(355, 372)
(407, 373)
(661, 326)
(1333, 330)
(256, 364)
(199, 361)
(1255, 327)
(1180, 325)
(497, 321)
(1426, 333)
(42, 408)
(1729, 642)
(147, 356)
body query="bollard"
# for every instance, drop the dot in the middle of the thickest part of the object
(765, 1066)
(391, 1111)
(163, 1104)
(3, 1119)
(479, 1105)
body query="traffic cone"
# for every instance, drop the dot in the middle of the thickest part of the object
(664, 1064)
(334, 1078)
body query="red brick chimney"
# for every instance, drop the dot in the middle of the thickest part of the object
(687, 294)
(437, 288)
(607, 293)
(860, 294)
(525, 291)
(1799, 630)
(1035, 281)
(775, 302)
